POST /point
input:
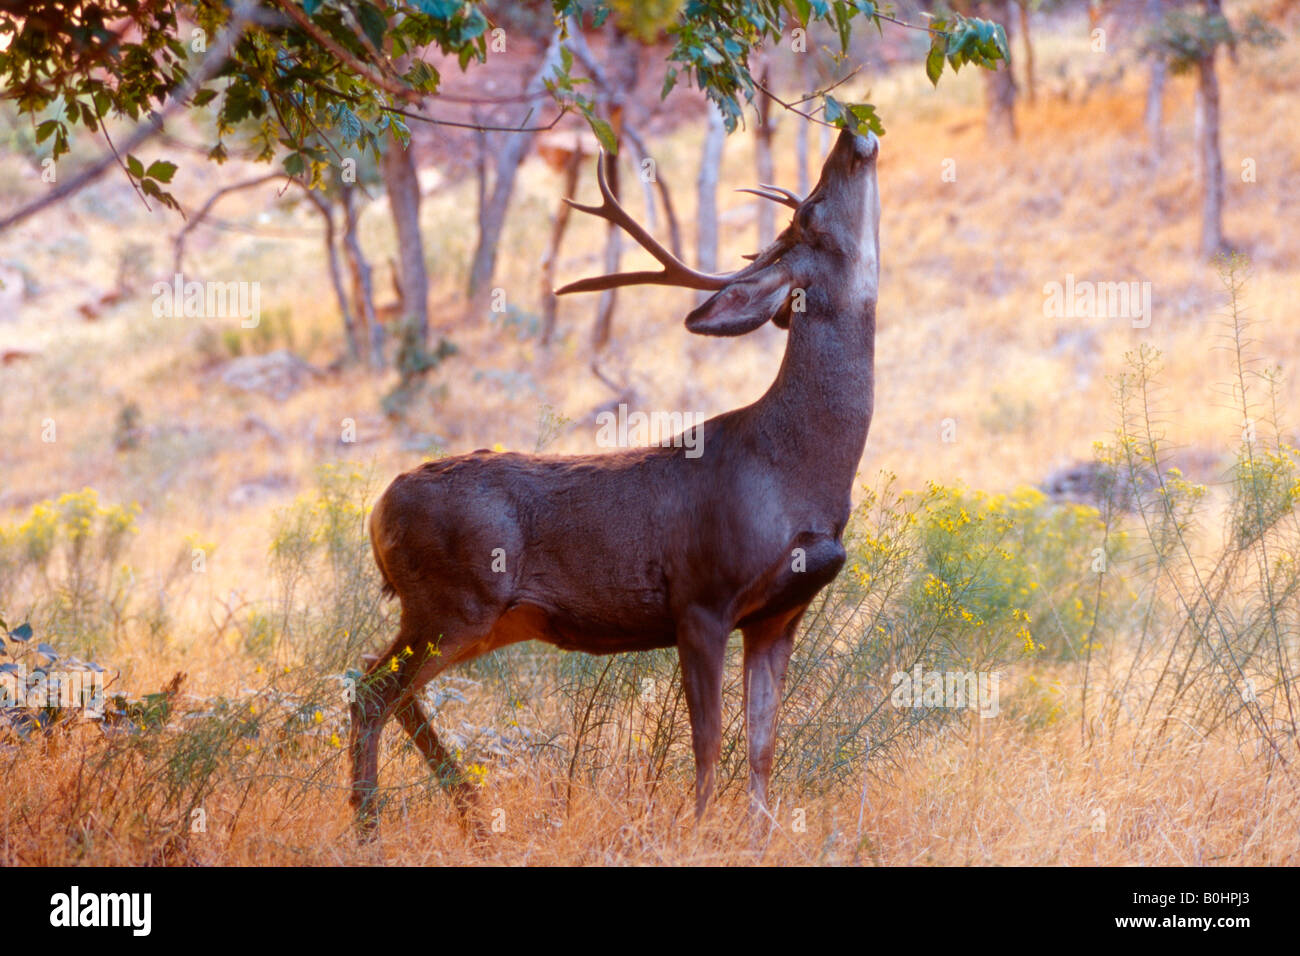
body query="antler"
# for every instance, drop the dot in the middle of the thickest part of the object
(674, 272)
(774, 193)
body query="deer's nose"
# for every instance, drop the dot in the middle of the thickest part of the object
(862, 147)
(866, 147)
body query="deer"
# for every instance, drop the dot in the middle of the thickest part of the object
(647, 547)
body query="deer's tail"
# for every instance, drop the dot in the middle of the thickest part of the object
(387, 590)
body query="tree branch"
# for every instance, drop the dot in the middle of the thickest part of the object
(178, 252)
(298, 16)
(216, 56)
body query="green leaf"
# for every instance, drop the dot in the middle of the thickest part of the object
(161, 170)
(438, 9)
(373, 23)
(204, 97)
(604, 132)
(134, 167)
(934, 63)
(670, 80)
(44, 130)
(349, 124)
(295, 164)
(834, 112)
(1000, 37)
(865, 114)
(957, 39)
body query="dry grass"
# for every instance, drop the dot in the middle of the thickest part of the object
(995, 795)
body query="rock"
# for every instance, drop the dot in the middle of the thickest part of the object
(257, 490)
(278, 374)
(13, 289)
(1092, 483)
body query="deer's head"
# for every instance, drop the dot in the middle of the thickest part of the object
(825, 266)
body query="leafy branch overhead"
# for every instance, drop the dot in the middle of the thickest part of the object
(962, 40)
(307, 80)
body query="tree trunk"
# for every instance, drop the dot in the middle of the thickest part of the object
(763, 161)
(1028, 43)
(604, 327)
(622, 85)
(398, 168)
(362, 285)
(999, 84)
(1155, 109)
(572, 171)
(706, 191)
(801, 130)
(336, 277)
(665, 195)
(1207, 141)
(493, 217)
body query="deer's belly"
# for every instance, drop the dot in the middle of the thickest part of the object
(582, 630)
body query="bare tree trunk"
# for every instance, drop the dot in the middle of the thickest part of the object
(604, 327)
(1155, 108)
(1207, 141)
(362, 286)
(706, 191)
(572, 171)
(398, 168)
(1027, 41)
(665, 196)
(801, 129)
(480, 165)
(763, 161)
(623, 69)
(493, 215)
(999, 84)
(336, 276)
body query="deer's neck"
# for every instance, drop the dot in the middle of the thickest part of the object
(816, 415)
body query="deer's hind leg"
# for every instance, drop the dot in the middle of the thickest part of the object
(418, 725)
(390, 688)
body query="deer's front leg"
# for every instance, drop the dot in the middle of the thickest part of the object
(701, 648)
(767, 655)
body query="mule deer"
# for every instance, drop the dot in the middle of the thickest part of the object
(649, 548)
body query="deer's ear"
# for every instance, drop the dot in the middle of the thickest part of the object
(742, 306)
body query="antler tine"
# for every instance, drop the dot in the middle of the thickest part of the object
(674, 273)
(790, 197)
(774, 193)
